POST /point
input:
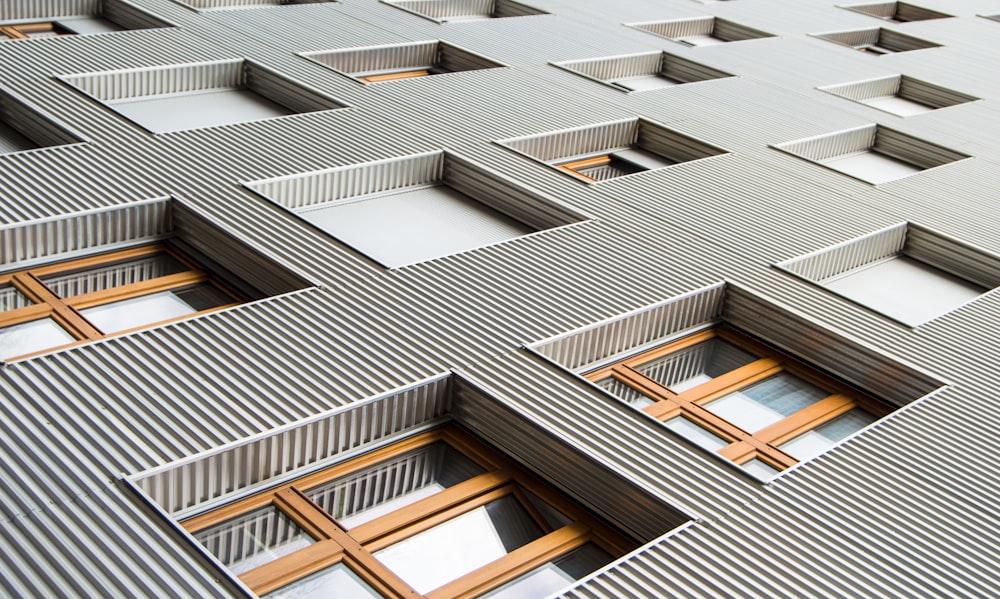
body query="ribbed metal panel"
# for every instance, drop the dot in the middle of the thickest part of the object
(598, 342)
(828, 146)
(953, 256)
(836, 260)
(193, 482)
(582, 140)
(14, 10)
(677, 28)
(71, 235)
(866, 90)
(299, 191)
(402, 56)
(153, 81)
(78, 418)
(865, 367)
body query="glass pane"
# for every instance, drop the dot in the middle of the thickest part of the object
(460, 545)
(822, 438)
(555, 575)
(337, 581)
(156, 307)
(12, 299)
(612, 170)
(760, 470)
(253, 539)
(394, 483)
(767, 401)
(696, 434)
(117, 274)
(624, 392)
(697, 364)
(20, 339)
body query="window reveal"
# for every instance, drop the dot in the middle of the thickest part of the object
(437, 515)
(87, 299)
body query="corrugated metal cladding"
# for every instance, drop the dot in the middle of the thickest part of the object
(907, 509)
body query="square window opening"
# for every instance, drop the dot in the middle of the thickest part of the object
(56, 18)
(907, 273)
(874, 154)
(643, 72)
(701, 31)
(178, 98)
(429, 213)
(900, 95)
(402, 61)
(212, 5)
(756, 393)
(896, 12)
(877, 41)
(609, 151)
(461, 11)
(490, 528)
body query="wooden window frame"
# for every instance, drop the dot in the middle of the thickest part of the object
(22, 31)
(419, 72)
(743, 445)
(355, 547)
(66, 311)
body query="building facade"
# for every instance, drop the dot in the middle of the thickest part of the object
(672, 298)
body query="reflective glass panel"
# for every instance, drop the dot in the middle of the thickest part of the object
(117, 274)
(253, 539)
(767, 401)
(700, 363)
(624, 392)
(822, 438)
(155, 307)
(337, 581)
(393, 483)
(696, 434)
(760, 470)
(441, 554)
(12, 299)
(554, 575)
(20, 339)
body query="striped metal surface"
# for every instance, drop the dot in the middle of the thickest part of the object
(895, 511)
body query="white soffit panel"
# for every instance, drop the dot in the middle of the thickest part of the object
(898, 106)
(415, 225)
(193, 110)
(904, 289)
(871, 166)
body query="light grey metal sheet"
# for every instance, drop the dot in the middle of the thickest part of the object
(79, 418)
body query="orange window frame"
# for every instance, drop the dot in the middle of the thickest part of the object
(743, 445)
(355, 547)
(66, 311)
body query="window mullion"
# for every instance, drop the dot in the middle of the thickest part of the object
(65, 315)
(516, 563)
(147, 287)
(294, 501)
(428, 513)
(805, 419)
(99, 260)
(25, 314)
(732, 381)
(280, 572)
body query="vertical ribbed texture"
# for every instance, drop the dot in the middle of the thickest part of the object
(186, 485)
(154, 81)
(76, 233)
(13, 10)
(599, 342)
(836, 260)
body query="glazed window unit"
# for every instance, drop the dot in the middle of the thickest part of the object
(80, 300)
(878, 41)
(741, 399)
(435, 515)
(377, 64)
(896, 12)
(29, 19)
(612, 150)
